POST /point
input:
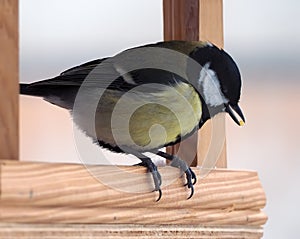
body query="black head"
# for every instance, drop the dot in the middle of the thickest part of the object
(220, 70)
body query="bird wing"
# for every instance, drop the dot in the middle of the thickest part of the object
(103, 73)
(112, 71)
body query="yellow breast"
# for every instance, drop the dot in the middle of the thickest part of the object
(147, 117)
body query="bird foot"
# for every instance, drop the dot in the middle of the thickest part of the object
(190, 175)
(152, 168)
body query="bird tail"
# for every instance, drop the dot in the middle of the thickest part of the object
(24, 89)
(28, 89)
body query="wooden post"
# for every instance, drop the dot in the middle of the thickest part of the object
(9, 83)
(213, 132)
(181, 20)
(199, 20)
(211, 21)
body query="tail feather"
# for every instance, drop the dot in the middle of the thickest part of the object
(63, 96)
(29, 89)
(24, 89)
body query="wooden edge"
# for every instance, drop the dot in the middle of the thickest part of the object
(161, 216)
(9, 67)
(55, 184)
(59, 231)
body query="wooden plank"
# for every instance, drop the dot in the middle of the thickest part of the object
(194, 20)
(68, 193)
(145, 215)
(43, 184)
(66, 231)
(9, 79)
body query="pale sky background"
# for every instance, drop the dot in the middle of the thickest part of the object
(262, 36)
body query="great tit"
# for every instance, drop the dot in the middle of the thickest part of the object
(148, 97)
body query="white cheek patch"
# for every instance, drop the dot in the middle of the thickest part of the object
(210, 84)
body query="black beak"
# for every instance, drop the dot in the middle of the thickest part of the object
(235, 113)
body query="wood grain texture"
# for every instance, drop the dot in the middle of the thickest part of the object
(181, 20)
(58, 231)
(68, 193)
(162, 216)
(9, 79)
(43, 184)
(211, 21)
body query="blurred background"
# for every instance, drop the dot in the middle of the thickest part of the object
(262, 36)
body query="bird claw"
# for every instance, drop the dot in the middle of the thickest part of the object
(191, 180)
(193, 177)
(159, 194)
(155, 175)
(157, 182)
(190, 175)
(176, 162)
(192, 193)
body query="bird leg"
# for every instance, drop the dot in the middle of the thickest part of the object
(182, 165)
(147, 162)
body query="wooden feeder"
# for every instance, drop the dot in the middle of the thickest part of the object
(47, 200)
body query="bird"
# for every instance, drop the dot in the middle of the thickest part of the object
(148, 97)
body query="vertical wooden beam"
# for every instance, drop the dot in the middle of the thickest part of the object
(198, 20)
(181, 20)
(213, 132)
(211, 21)
(9, 67)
